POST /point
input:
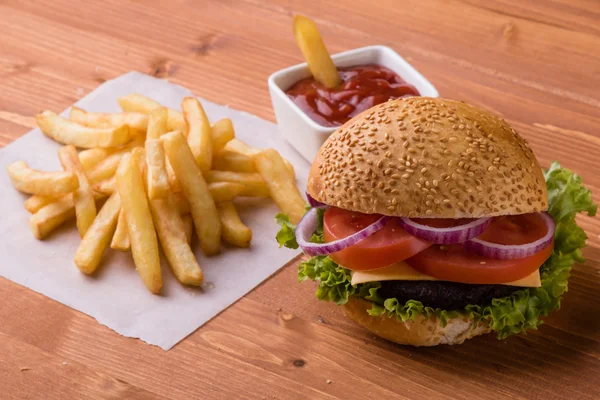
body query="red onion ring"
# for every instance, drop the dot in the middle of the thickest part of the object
(506, 252)
(315, 203)
(454, 234)
(308, 224)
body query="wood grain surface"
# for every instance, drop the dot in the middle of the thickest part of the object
(536, 63)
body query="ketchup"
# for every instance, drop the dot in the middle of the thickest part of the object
(362, 87)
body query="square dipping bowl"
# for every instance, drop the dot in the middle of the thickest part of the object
(299, 129)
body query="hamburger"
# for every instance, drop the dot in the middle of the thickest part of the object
(431, 222)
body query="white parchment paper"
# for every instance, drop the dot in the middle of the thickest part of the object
(116, 296)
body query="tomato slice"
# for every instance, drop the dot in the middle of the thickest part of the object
(387, 246)
(454, 263)
(515, 229)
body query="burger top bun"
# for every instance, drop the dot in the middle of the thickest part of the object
(428, 157)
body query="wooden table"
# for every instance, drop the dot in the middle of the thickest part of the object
(537, 63)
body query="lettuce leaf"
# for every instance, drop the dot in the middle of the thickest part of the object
(286, 237)
(287, 233)
(317, 236)
(566, 195)
(508, 315)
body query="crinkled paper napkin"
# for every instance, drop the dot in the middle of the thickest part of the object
(116, 296)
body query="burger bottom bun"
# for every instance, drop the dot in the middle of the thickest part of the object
(420, 332)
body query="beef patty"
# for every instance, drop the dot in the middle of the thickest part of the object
(442, 294)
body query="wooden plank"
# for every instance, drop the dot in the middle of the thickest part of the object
(580, 16)
(28, 372)
(188, 368)
(533, 63)
(242, 40)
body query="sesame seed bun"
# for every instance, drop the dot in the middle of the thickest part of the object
(420, 332)
(428, 157)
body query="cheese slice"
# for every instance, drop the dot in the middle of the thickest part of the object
(403, 272)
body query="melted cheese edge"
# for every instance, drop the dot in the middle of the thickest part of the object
(403, 272)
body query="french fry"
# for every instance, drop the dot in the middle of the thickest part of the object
(173, 183)
(199, 132)
(36, 202)
(188, 227)
(219, 191)
(144, 244)
(222, 132)
(225, 191)
(254, 185)
(96, 239)
(54, 214)
(138, 141)
(91, 157)
(83, 197)
(195, 189)
(281, 184)
(106, 186)
(136, 121)
(70, 133)
(32, 181)
(158, 182)
(158, 124)
(290, 168)
(175, 235)
(316, 55)
(139, 103)
(139, 155)
(228, 160)
(181, 203)
(103, 187)
(88, 158)
(237, 146)
(120, 239)
(106, 168)
(174, 242)
(233, 229)
(49, 217)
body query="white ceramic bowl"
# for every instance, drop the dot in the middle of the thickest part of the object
(299, 129)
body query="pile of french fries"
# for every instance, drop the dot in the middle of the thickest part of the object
(160, 175)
